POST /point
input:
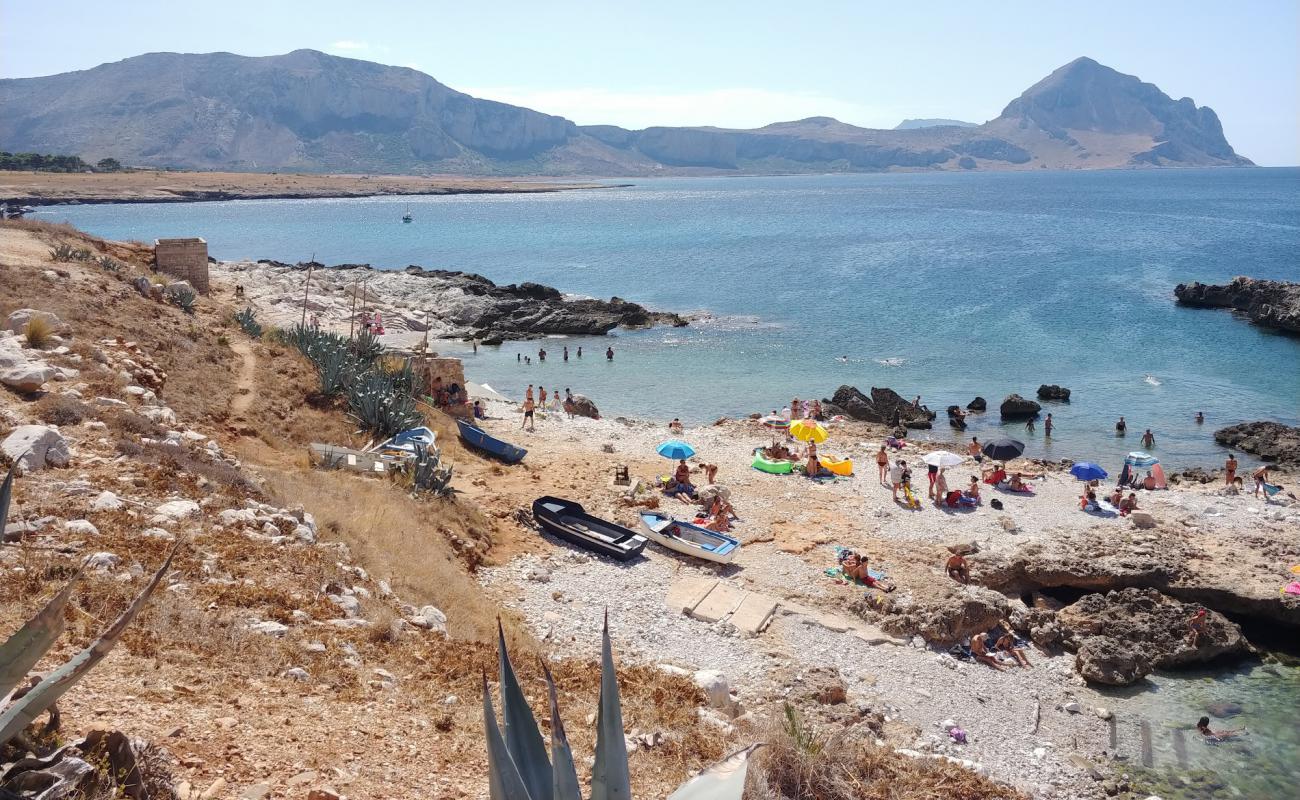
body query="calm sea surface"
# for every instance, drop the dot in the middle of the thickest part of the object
(943, 285)
(948, 286)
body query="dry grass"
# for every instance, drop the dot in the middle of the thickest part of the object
(412, 544)
(60, 410)
(183, 461)
(128, 423)
(38, 331)
(803, 764)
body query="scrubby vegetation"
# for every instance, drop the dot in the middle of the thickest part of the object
(42, 162)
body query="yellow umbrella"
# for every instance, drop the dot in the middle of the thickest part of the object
(806, 429)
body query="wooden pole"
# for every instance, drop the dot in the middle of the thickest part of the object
(353, 319)
(306, 286)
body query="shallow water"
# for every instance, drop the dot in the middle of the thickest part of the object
(1263, 764)
(943, 285)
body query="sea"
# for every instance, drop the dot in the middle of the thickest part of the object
(943, 285)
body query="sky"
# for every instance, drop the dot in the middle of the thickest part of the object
(732, 64)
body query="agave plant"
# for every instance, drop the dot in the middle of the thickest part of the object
(519, 768)
(247, 320)
(109, 264)
(378, 407)
(185, 300)
(428, 474)
(367, 347)
(21, 651)
(62, 252)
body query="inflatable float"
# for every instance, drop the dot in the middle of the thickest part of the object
(837, 466)
(764, 464)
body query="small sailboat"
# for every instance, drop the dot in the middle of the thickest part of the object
(407, 216)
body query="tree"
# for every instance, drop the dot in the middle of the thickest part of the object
(108, 165)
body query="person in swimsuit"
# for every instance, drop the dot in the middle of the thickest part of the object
(855, 566)
(939, 491)
(1130, 504)
(882, 464)
(957, 569)
(710, 473)
(609, 354)
(1148, 439)
(1230, 470)
(974, 450)
(1117, 497)
(541, 396)
(1203, 727)
(1200, 418)
(1007, 644)
(1261, 478)
(1047, 426)
(1121, 427)
(973, 491)
(932, 473)
(1196, 628)
(566, 353)
(813, 465)
(528, 393)
(1029, 425)
(1016, 484)
(675, 426)
(980, 650)
(529, 406)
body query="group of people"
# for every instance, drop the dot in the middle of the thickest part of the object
(1148, 438)
(717, 513)
(541, 354)
(544, 401)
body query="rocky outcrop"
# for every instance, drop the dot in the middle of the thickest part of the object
(884, 407)
(978, 404)
(1269, 304)
(1053, 392)
(1270, 441)
(583, 407)
(1017, 407)
(942, 613)
(1123, 635)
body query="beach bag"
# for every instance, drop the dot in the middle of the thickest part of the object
(996, 503)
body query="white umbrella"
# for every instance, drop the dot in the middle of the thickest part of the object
(943, 458)
(1140, 459)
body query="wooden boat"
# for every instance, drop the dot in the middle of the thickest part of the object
(476, 437)
(567, 520)
(405, 443)
(688, 539)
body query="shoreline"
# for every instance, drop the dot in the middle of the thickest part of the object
(53, 189)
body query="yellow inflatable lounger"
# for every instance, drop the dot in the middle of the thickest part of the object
(837, 466)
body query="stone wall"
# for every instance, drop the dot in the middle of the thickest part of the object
(186, 259)
(451, 370)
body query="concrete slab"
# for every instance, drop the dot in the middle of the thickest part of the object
(685, 594)
(753, 614)
(723, 600)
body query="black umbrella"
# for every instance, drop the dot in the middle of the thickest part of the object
(1004, 449)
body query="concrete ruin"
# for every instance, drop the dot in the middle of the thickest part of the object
(185, 259)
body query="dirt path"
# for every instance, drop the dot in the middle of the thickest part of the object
(246, 385)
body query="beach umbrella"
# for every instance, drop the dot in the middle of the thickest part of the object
(1003, 449)
(1139, 459)
(1087, 471)
(808, 429)
(943, 458)
(675, 449)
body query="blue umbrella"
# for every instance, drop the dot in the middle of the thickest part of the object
(1087, 471)
(675, 449)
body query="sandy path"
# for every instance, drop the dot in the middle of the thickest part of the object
(246, 385)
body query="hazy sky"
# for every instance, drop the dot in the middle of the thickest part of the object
(735, 64)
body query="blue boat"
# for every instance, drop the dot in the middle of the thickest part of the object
(406, 442)
(479, 439)
(688, 539)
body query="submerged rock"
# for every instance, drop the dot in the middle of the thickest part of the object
(978, 404)
(1053, 392)
(1017, 407)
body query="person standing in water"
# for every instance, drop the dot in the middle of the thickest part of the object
(566, 352)
(579, 352)
(1148, 439)
(609, 354)
(528, 393)
(1121, 427)
(1029, 425)
(1200, 418)
(1047, 426)
(541, 354)
(519, 357)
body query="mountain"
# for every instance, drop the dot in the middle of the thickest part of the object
(309, 111)
(913, 124)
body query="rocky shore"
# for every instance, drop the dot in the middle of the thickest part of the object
(1269, 304)
(1271, 441)
(442, 303)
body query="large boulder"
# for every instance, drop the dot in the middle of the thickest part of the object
(943, 613)
(33, 447)
(1053, 392)
(583, 407)
(883, 406)
(1017, 407)
(1124, 634)
(28, 378)
(17, 320)
(1271, 441)
(978, 404)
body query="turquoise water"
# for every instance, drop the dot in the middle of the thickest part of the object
(943, 285)
(1262, 765)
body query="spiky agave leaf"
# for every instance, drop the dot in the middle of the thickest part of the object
(6, 491)
(523, 739)
(565, 785)
(504, 782)
(25, 648)
(609, 776)
(21, 714)
(724, 780)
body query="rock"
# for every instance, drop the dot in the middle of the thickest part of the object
(17, 320)
(941, 613)
(713, 683)
(35, 447)
(1269, 304)
(296, 674)
(978, 404)
(238, 516)
(104, 561)
(884, 406)
(349, 605)
(1016, 407)
(324, 793)
(81, 527)
(1053, 392)
(1073, 708)
(1224, 710)
(106, 501)
(430, 618)
(583, 407)
(28, 378)
(1103, 713)
(1271, 441)
(1124, 634)
(178, 510)
(270, 628)
(1142, 519)
(176, 288)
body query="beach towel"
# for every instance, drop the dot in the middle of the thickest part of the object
(1271, 489)
(1292, 588)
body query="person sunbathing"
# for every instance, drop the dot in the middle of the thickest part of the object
(1088, 501)
(973, 491)
(1007, 644)
(957, 569)
(995, 475)
(1016, 484)
(979, 649)
(855, 566)
(777, 451)
(721, 506)
(720, 523)
(1117, 497)
(675, 426)
(1129, 504)
(1203, 727)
